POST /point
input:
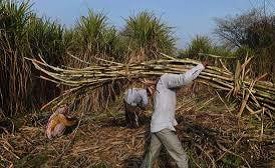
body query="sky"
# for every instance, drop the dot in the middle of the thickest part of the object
(188, 17)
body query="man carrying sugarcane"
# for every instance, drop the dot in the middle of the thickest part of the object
(135, 100)
(163, 118)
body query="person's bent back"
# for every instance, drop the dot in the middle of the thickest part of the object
(135, 99)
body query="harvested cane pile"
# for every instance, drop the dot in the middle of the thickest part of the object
(255, 95)
(211, 138)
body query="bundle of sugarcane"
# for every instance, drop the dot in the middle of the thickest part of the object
(255, 95)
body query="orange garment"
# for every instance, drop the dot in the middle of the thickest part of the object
(57, 124)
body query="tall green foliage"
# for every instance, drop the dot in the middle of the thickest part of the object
(22, 34)
(203, 44)
(200, 44)
(94, 38)
(46, 38)
(146, 35)
(13, 68)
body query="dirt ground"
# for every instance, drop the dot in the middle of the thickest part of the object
(210, 133)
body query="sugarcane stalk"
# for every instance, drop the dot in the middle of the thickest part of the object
(86, 79)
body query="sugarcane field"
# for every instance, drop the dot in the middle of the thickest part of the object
(137, 84)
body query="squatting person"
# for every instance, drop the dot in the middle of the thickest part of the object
(136, 100)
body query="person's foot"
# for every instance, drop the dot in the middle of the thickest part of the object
(132, 125)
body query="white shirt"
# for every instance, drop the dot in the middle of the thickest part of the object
(165, 98)
(136, 97)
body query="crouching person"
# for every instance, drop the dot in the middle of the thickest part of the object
(59, 121)
(136, 101)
